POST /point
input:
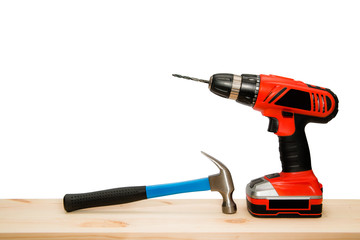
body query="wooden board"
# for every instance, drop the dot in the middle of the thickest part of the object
(170, 219)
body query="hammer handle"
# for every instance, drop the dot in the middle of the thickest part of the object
(121, 195)
(113, 196)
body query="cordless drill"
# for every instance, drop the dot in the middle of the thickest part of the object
(289, 105)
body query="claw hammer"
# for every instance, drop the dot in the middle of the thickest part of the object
(221, 182)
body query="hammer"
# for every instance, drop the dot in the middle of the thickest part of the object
(221, 182)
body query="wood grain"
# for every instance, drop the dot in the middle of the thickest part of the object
(170, 219)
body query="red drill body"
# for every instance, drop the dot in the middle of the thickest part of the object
(278, 95)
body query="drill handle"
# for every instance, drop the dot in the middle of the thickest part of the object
(294, 149)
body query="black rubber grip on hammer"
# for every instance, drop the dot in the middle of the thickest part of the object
(108, 197)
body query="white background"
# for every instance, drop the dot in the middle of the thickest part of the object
(87, 100)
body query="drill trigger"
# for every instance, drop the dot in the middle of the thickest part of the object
(273, 125)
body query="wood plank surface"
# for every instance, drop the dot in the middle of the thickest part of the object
(170, 219)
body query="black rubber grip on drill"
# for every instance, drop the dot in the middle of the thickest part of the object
(108, 197)
(294, 149)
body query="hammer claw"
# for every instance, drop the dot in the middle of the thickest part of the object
(219, 164)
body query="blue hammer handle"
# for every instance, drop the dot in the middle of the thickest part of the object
(160, 190)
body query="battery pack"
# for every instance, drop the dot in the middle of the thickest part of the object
(279, 195)
(290, 208)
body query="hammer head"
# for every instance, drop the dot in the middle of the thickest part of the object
(223, 183)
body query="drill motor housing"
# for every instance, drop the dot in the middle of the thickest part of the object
(289, 105)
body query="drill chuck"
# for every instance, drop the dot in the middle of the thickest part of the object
(244, 89)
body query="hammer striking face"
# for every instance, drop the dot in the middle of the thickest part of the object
(221, 182)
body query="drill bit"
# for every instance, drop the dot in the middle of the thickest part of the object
(191, 78)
